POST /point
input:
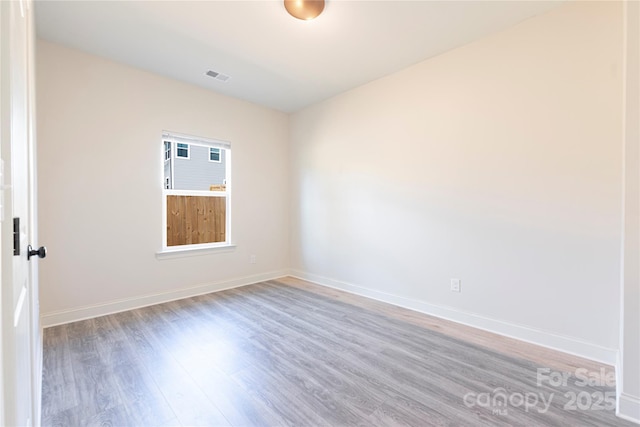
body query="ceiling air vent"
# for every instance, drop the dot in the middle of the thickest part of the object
(218, 76)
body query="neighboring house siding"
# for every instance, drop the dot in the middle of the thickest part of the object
(197, 172)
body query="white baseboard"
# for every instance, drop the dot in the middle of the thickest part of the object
(628, 408)
(512, 330)
(116, 306)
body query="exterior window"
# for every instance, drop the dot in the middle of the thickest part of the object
(167, 151)
(196, 195)
(182, 150)
(214, 155)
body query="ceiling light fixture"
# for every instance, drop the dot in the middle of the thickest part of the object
(304, 9)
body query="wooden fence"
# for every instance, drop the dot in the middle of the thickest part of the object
(195, 219)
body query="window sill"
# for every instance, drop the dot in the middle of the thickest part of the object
(188, 252)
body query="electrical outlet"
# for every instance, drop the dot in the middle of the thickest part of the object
(252, 259)
(455, 285)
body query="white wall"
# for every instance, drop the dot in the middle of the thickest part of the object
(100, 182)
(498, 163)
(629, 378)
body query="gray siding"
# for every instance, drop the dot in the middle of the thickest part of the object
(197, 172)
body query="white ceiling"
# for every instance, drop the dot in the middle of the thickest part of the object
(272, 58)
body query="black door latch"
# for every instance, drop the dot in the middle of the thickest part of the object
(41, 252)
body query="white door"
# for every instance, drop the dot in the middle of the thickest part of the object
(20, 328)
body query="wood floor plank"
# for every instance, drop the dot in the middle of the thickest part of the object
(161, 341)
(233, 401)
(280, 396)
(144, 402)
(94, 382)
(386, 368)
(184, 396)
(557, 360)
(59, 393)
(261, 369)
(284, 367)
(301, 353)
(287, 352)
(114, 416)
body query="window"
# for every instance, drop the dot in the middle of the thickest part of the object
(182, 150)
(196, 195)
(167, 151)
(214, 155)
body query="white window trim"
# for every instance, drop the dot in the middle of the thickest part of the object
(182, 148)
(195, 251)
(197, 140)
(203, 248)
(219, 155)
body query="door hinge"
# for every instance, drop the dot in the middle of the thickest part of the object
(16, 236)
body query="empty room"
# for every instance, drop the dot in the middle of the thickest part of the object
(320, 213)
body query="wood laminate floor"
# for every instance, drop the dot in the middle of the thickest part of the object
(287, 352)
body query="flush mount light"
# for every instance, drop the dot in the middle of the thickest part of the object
(304, 9)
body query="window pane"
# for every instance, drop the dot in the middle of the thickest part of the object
(206, 169)
(195, 220)
(182, 150)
